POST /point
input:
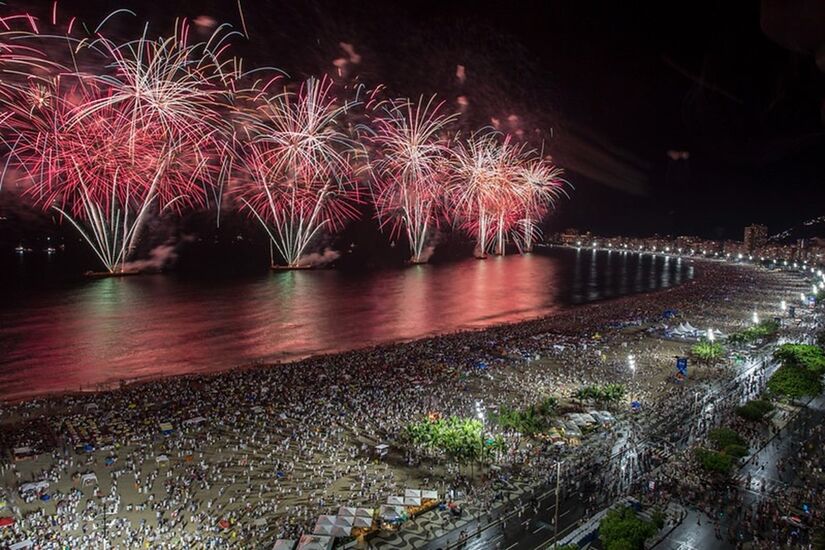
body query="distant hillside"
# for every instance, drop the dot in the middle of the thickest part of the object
(814, 228)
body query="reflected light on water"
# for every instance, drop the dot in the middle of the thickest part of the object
(127, 328)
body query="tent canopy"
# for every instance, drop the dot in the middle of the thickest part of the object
(314, 542)
(34, 486)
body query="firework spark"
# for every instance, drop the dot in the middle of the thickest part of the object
(483, 189)
(299, 167)
(410, 172)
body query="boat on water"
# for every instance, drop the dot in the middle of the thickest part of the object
(105, 274)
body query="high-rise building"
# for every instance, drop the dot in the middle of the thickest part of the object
(755, 236)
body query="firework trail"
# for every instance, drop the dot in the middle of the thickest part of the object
(109, 133)
(102, 149)
(410, 172)
(483, 190)
(299, 167)
(543, 185)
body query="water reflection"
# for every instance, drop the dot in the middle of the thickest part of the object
(599, 275)
(112, 329)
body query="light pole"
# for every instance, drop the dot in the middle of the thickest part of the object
(480, 415)
(711, 336)
(556, 518)
(631, 362)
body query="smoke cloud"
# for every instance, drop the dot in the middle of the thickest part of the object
(160, 257)
(320, 259)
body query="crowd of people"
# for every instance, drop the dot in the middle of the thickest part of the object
(248, 456)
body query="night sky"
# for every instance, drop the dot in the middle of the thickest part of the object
(611, 88)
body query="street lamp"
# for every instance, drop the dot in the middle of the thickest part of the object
(556, 520)
(755, 318)
(480, 415)
(711, 336)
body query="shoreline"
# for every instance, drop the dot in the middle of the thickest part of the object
(268, 450)
(124, 384)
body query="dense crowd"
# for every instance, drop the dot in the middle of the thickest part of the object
(258, 454)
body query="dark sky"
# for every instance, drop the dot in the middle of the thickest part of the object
(611, 87)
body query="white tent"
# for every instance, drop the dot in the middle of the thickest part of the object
(412, 497)
(284, 544)
(324, 525)
(429, 495)
(362, 522)
(314, 542)
(344, 522)
(325, 530)
(358, 517)
(395, 501)
(346, 511)
(34, 486)
(391, 512)
(88, 479)
(326, 520)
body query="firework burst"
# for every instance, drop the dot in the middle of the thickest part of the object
(542, 185)
(102, 149)
(483, 189)
(298, 168)
(410, 171)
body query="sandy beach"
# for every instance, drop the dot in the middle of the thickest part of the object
(240, 458)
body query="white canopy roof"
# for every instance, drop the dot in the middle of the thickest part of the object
(284, 544)
(34, 486)
(395, 501)
(346, 511)
(314, 542)
(391, 512)
(344, 521)
(88, 478)
(362, 522)
(320, 529)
